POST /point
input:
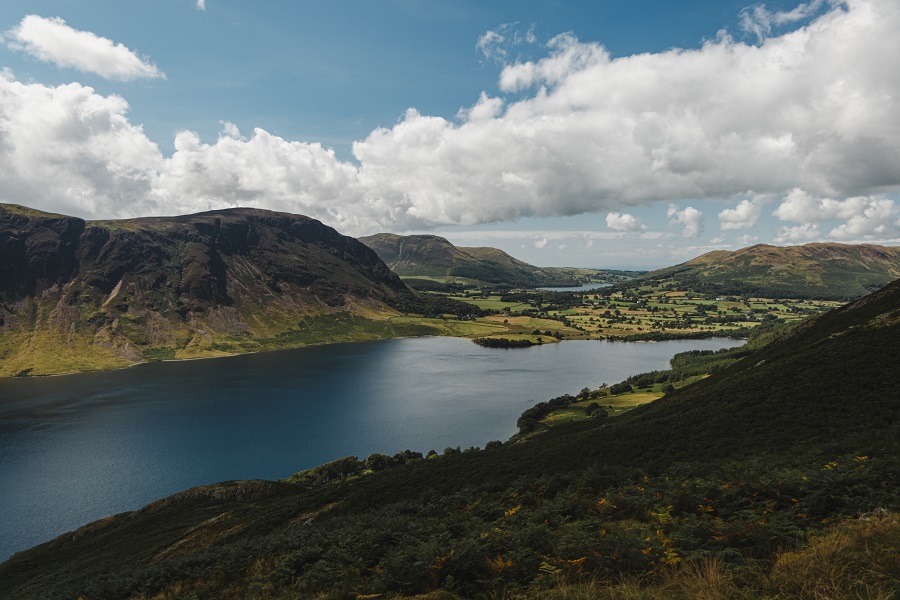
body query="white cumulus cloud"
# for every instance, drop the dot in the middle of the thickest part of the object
(624, 222)
(201, 4)
(595, 133)
(71, 150)
(742, 216)
(689, 218)
(864, 217)
(871, 218)
(52, 40)
(798, 235)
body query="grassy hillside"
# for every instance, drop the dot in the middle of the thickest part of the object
(732, 485)
(430, 256)
(824, 271)
(79, 295)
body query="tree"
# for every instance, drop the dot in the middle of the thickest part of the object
(620, 388)
(379, 462)
(595, 411)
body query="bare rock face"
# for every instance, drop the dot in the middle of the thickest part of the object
(122, 287)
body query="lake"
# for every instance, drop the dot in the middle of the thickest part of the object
(79, 447)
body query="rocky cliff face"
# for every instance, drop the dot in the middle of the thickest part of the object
(112, 292)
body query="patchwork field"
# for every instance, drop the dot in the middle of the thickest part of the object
(642, 313)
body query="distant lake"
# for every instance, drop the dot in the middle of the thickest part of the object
(587, 287)
(80, 447)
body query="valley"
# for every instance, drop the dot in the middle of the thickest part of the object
(705, 472)
(632, 313)
(726, 484)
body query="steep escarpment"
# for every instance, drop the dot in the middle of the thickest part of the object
(78, 294)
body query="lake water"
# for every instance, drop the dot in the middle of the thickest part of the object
(586, 287)
(80, 447)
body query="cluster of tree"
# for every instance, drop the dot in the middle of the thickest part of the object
(659, 336)
(546, 301)
(530, 419)
(435, 305)
(430, 285)
(350, 466)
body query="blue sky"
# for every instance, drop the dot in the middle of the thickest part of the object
(610, 134)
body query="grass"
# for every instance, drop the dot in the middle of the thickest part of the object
(48, 352)
(152, 354)
(492, 303)
(29, 352)
(614, 404)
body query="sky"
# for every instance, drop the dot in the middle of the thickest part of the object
(608, 134)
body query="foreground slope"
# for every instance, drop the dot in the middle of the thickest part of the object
(77, 294)
(825, 271)
(434, 256)
(735, 468)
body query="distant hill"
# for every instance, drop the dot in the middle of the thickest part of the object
(733, 472)
(823, 271)
(434, 256)
(78, 295)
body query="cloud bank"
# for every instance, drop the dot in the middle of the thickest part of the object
(810, 112)
(51, 40)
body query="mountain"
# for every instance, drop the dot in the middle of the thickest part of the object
(111, 293)
(823, 271)
(432, 256)
(730, 481)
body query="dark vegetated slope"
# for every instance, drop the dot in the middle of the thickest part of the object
(737, 467)
(824, 271)
(109, 293)
(433, 256)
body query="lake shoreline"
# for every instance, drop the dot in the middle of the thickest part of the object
(317, 344)
(111, 441)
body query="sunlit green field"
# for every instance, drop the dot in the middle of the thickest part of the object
(642, 312)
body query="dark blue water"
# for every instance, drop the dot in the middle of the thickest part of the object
(80, 447)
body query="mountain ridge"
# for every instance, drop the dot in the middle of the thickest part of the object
(117, 292)
(434, 256)
(827, 271)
